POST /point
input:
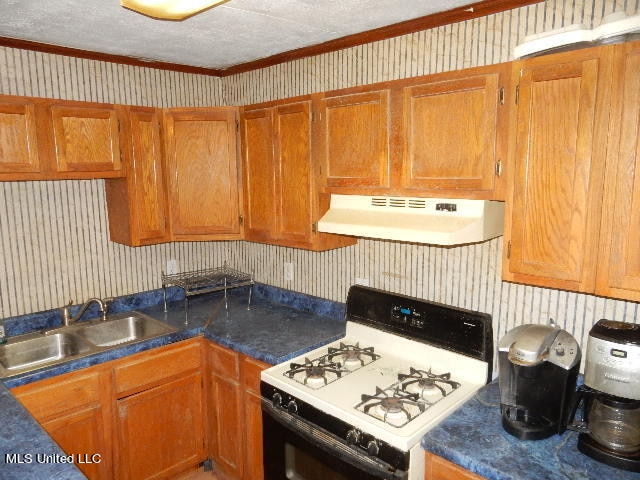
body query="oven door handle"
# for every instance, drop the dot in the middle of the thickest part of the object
(333, 444)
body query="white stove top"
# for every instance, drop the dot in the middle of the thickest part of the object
(342, 397)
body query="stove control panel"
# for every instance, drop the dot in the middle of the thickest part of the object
(407, 315)
(345, 433)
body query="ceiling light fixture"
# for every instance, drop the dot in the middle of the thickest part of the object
(169, 9)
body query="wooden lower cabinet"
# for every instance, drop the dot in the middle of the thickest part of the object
(143, 414)
(235, 416)
(437, 468)
(250, 369)
(75, 409)
(160, 430)
(157, 413)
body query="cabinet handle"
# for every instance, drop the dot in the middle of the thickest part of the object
(501, 96)
(498, 168)
(509, 249)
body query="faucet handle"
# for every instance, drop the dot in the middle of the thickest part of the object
(65, 313)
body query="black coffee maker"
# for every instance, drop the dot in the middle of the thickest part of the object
(538, 367)
(608, 404)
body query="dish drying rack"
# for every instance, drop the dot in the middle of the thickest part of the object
(197, 282)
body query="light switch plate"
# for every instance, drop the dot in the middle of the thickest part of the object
(172, 266)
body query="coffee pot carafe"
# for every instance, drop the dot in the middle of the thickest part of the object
(607, 408)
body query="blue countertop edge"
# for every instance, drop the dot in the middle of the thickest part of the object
(473, 438)
(319, 321)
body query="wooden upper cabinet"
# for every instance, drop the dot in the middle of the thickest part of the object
(259, 174)
(553, 220)
(295, 185)
(137, 204)
(202, 170)
(281, 182)
(354, 141)
(619, 266)
(86, 138)
(18, 142)
(451, 127)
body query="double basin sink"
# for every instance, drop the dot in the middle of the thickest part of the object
(36, 350)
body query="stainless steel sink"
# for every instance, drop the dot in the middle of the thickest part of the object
(29, 352)
(124, 330)
(35, 352)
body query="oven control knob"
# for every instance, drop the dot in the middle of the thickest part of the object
(373, 448)
(353, 436)
(276, 400)
(292, 406)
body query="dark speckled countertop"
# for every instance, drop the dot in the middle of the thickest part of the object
(279, 326)
(473, 438)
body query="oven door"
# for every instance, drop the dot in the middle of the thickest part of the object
(295, 449)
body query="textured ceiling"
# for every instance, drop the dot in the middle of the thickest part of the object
(233, 33)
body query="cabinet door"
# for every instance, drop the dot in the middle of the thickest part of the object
(81, 433)
(294, 176)
(75, 410)
(259, 175)
(138, 210)
(619, 268)
(553, 223)
(354, 143)
(160, 430)
(203, 173)
(18, 142)
(253, 468)
(450, 134)
(226, 424)
(86, 138)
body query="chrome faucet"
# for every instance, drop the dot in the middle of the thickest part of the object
(68, 319)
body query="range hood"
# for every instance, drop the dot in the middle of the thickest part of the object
(435, 221)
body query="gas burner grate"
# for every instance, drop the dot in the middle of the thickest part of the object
(429, 386)
(352, 357)
(392, 406)
(317, 373)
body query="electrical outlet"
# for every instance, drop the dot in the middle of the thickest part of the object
(288, 272)
(362, 281)
(172, 266)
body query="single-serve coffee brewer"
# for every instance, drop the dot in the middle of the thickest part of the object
(538, 368)
(607, 409)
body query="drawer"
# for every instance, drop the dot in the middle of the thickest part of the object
(147, 369)
(251, 369)
(224, 362)
(52, 397)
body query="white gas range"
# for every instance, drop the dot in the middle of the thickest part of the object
(357, 408)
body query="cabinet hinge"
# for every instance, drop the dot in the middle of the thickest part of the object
(517, 93)
(509, 249)
(237, 125)
(241, 220)
(501, 96)
(498, 168)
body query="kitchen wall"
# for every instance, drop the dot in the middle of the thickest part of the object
(54, 236)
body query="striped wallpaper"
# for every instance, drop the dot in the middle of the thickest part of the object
(60, 250)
